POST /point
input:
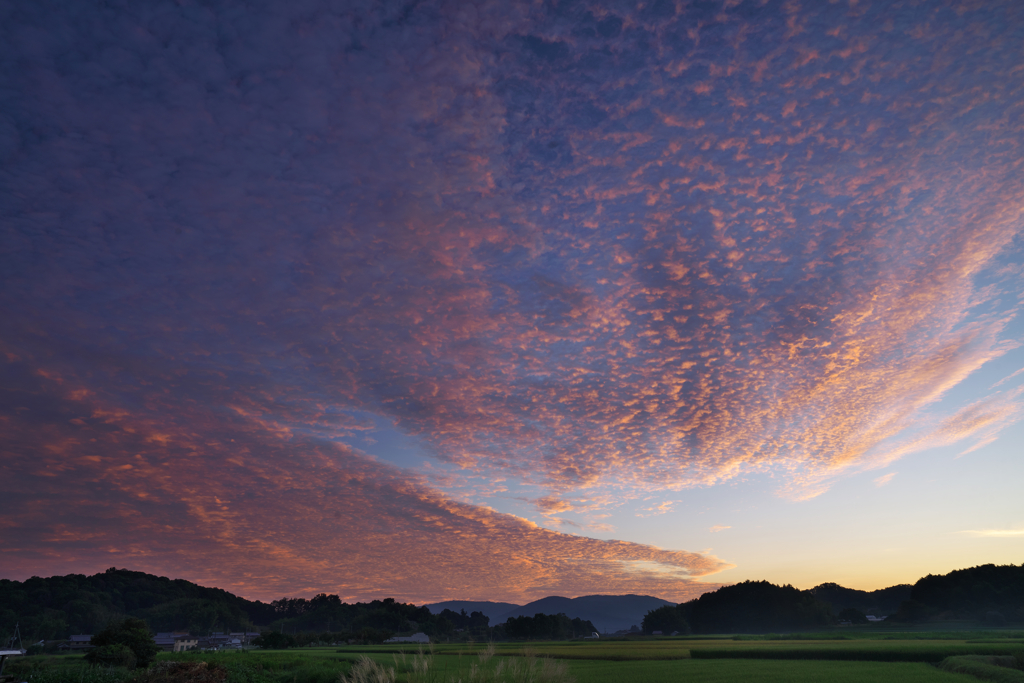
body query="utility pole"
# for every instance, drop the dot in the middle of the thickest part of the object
(15, 637)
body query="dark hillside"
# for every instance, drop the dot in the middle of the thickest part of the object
(756, 607)
(56, 607)
(881, 602)
(992, 594)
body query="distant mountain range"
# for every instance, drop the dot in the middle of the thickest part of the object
(609, 613)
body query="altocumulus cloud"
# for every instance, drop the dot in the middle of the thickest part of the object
(240, 502)
(602, 247)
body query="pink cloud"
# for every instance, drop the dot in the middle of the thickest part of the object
(266, 513)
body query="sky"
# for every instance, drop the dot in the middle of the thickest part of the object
(499, 300)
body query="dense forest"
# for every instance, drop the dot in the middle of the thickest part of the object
(545, 627)
(751, 606)
(991, 594)
(56, 607)
(987, 595)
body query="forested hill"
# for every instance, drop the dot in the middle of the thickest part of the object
(58, 606)
(988, 595)
(992, 594)
(881, 602)
(55, 607)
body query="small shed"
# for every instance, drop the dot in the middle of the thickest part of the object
(4, 654)
(80, 642)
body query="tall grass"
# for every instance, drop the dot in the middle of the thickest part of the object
(422, 668)
(368, 671)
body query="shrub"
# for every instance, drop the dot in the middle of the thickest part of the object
(131, 633)
(112, 655)
(274, 640)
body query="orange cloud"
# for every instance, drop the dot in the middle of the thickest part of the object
(265, 513)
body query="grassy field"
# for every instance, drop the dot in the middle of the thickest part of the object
(867, 647)
(752, 671)
(966, 657)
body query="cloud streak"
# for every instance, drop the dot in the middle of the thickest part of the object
(996, 533)
(242, 503)
(885, 479)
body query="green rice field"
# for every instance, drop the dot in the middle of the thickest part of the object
(965, 657)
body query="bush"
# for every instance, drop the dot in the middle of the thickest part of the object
(274, 640)
(131, 633)
(112, 655)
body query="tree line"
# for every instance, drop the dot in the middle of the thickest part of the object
(751, 606)
(447, 625)
(987, 595)
(56, 607)
(990, 594)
